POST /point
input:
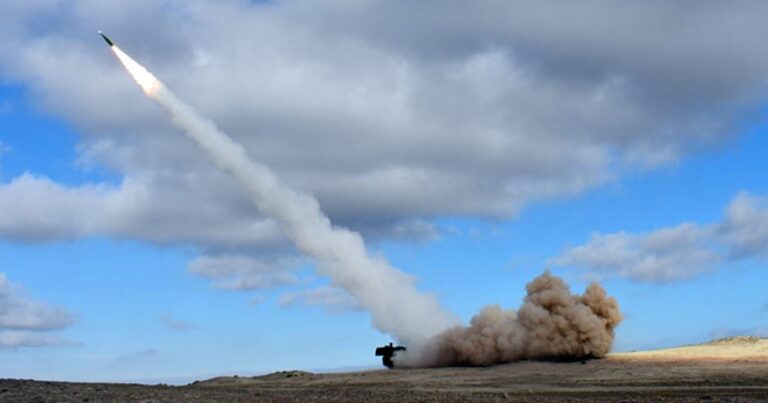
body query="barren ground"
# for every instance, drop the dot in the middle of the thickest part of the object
(734, 369)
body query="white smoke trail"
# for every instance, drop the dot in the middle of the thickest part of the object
(395, 305)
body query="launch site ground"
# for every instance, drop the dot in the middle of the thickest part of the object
(733, 369)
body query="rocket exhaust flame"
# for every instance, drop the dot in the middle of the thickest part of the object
(551, 323)
(146, 80)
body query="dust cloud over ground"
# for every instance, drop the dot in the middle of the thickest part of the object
(551, 324)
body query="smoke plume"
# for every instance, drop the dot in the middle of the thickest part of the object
(396, 306)
(552, 324)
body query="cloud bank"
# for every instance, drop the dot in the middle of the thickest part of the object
(392, 115)
(677, 253)
(332, 299)
(27, 322)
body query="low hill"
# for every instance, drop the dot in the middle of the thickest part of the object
(728, 349)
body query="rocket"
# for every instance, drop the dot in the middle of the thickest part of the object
(148, 82)
(106, 39)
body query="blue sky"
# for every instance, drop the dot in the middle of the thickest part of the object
(472, 156)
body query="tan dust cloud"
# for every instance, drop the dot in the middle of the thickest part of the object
(551, 324)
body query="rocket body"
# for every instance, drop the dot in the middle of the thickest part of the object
(107, 40)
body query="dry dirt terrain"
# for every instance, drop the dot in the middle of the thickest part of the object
(733, 370)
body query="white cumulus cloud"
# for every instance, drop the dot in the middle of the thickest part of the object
(390, 114)
(745, 227)
(25, 321)
(667, 254)
(241, 272)
(677, 253)
(330, 298)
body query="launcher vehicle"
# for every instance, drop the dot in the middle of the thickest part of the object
(387, 352)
